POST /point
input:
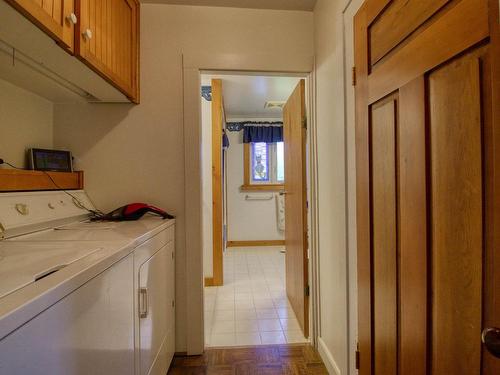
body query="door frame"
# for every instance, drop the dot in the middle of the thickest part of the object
(217, 119)
(193, 65)
(350, 9)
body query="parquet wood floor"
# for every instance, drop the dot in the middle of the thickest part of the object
(290, 359)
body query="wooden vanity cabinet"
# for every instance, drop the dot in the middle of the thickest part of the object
(107, 39)
(54, 17)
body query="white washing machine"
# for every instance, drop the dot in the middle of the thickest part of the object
(123, 273)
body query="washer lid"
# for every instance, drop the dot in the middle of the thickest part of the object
(24, 263)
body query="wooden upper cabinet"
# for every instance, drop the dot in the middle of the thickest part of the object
(107, 40)
(55, 17)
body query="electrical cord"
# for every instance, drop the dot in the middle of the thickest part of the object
(96, 213)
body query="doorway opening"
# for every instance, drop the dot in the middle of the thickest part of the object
(256, 269)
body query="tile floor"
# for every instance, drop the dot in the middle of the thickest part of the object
(251, 308)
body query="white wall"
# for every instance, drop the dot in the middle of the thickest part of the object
(26, 120)
(247, 220)
(337, 237)
(136, 153)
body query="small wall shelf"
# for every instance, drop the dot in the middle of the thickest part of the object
(28, 180)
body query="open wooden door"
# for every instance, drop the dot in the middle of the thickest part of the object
(294, 134)
(217, 183)
(427, 150)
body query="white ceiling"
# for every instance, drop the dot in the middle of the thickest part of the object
(256, 4)
(245, 95)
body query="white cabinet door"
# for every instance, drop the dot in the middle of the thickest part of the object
(154, 302)
(90, 331)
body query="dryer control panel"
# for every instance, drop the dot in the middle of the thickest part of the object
(25, 212)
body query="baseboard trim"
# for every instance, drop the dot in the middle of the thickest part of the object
(256, 243)
(209, 281)
(327, 358)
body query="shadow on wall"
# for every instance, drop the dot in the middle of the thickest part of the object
(103, 118)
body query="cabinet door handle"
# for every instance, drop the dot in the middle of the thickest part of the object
(143, 303)
(87, 34)
(71, 18)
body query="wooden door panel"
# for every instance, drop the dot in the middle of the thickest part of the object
(457, 231)
(412, 228)
(384, 253)
(445, 38)
(490, 69)
(426, 252)
(296, 205)
(112, 50)
(52, 17)
(398, 20)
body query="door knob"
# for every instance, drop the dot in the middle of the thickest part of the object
(283, 192)
(491, 339)
(71, 18)
(87, 34)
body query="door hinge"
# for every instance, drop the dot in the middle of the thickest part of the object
(307, 291)
(357, 357)
(354, 76)
(304, 123)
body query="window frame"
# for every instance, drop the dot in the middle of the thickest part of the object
(248, 184)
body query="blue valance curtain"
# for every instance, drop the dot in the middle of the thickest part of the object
(267, 134)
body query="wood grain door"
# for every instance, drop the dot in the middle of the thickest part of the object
(294, 134)
(52, 16)
(217, 184)
(108, 41)
(427, 150)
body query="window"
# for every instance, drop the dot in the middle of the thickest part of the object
(260, 162)
(264, 166)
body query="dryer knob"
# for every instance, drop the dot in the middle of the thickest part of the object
(22, 209)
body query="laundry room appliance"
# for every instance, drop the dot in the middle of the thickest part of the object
(81, 297)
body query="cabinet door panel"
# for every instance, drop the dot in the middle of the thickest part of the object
(52, 16)
(108, 41)
(154, 307)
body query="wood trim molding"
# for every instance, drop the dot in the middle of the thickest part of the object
(209, 281)
(263, 187)
(246, 164)
(217, 191)
(256, 243)
(362, 192)
(28, 180)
